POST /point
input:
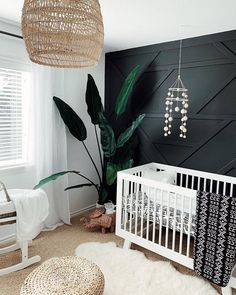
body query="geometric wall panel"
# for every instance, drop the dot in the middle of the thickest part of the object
(209, 72)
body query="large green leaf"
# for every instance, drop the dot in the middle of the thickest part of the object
(126, 89)
(113, 168)
(93, 100)
(108, 140)
(71, 119)
(125, 136)
(53, 177)
(78, 186)
(103, 195)
(126, 152)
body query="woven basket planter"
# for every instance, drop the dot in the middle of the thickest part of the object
(66, 34)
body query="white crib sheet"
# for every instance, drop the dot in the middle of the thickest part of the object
(142, 205)
(163, 196)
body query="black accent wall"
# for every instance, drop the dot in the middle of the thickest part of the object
(209, 72)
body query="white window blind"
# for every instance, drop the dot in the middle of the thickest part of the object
(14, 98)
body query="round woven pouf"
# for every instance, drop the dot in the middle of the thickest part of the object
(65, 276)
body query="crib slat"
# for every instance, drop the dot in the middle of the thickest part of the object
(136, 211)
(125, 209)
(211, 186)
(161, 216)
(181, 226)
(217, 187)
(167, 220)
(142, 214)
(231, 189)
(174, 228)
(187, 178)
(224, 188)
(148, 214)
(181, 180)
(154, 217)
(192, 184)
(189, 226)
(198, 183)
(131, 208)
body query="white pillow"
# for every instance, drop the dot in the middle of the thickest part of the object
(162, 176)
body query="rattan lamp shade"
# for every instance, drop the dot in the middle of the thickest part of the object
(63, 33)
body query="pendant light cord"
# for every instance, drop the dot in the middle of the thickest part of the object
(180, 56)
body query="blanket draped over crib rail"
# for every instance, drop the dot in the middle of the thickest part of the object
(215, 237)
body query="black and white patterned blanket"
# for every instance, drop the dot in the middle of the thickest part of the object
(215, 237)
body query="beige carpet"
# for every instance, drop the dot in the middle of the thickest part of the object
(61, 242)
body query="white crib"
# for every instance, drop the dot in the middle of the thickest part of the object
(160, 216)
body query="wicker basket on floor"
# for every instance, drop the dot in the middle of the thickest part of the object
(8, 214)
(65, 275)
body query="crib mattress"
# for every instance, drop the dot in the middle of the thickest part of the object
(144, 206)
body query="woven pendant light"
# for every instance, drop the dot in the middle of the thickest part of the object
(63, 33)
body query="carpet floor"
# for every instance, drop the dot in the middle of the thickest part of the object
(62, 242)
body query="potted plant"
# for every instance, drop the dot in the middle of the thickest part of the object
(117, 150)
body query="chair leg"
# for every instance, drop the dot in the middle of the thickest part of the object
(24, 250)
(226, 290)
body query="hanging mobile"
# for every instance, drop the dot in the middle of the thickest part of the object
(177, 100)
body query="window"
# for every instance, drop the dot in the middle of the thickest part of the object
(14, 113)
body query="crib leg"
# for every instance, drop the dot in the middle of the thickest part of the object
(127, 244)
(226, 290)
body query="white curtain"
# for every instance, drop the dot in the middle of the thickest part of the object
(49, 140)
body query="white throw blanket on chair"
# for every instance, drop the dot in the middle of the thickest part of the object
(32, 209)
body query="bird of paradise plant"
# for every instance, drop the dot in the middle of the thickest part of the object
(117, 151)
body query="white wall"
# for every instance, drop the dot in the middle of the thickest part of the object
(75, 88)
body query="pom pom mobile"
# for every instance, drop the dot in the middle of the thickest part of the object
(177, 101)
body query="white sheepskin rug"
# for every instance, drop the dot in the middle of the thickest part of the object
(129, 272)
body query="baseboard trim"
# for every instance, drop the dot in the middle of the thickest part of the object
(82, 211)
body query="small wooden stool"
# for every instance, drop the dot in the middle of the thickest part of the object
(65, 275)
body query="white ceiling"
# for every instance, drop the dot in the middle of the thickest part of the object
(132, 23)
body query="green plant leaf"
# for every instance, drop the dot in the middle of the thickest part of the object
(103, 195)
(126, 89)
(108, 140)
(126, 152)
(93, 100)
(71, 119)
(113, 168)
(78, 186)
(53, 177)
(111, 172)
(125, 136)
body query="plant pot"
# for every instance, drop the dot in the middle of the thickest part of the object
(110, 208)
(98, 205)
